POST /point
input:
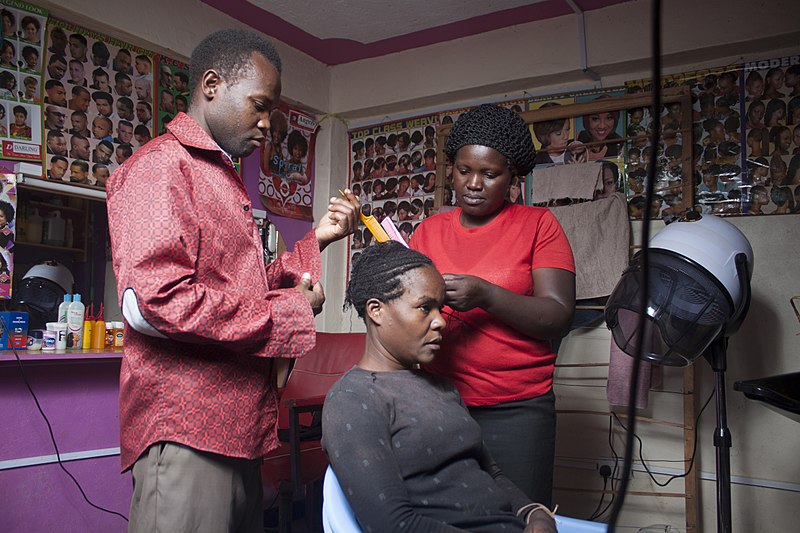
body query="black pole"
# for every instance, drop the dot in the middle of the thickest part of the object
(717, 356)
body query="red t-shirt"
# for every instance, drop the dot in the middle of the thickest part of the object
(489, 361)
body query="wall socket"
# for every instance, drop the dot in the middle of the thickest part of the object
(606, 466)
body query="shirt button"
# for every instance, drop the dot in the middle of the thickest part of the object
(247, 208)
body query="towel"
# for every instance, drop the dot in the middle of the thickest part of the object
(620, 366)
(579, 181)
(599, 234)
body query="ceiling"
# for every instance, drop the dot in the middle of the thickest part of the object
(340, 31)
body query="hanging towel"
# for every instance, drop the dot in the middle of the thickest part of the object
(599, 234)
(578, 182)
(620, 366)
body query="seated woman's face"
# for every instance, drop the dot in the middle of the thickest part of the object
(414, 320)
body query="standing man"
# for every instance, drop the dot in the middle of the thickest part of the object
(205, 320)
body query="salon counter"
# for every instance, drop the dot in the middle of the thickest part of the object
(78, 391)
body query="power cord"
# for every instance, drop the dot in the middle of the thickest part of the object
(694, 448)
(52, 437)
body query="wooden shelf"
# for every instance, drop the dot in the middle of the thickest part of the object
(49, 246)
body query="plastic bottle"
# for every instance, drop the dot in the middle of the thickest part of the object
(119, 334)
(75, 316)
(34, 227)
(99, 334)
(55, 230)
(86, 343)
(63, 307)
(109, 334)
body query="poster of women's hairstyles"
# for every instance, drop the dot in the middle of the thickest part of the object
(715, 140)
(8, 207)
(771, 109)
(286, 176)
(98, 90)
(393, 172)
(21, 69)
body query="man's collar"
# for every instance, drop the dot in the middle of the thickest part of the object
(189, 133)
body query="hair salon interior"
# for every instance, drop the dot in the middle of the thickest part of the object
(357, 75)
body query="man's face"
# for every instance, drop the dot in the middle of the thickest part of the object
(76, 72)
(167, 102)
(125, 133)
(57, 69)
(121, 155)
(76, 173)
(101, 83)
(58, 169)
(141, 138)
(142, 67)
(102, 154)
(77, 48)
(123, 61)
(80, 102)
(54, 119)
(58, 42)
(78, 122)
(103, 107)
(80, 148)
(124, 111)
(124, 87)
(57, 144)
(238, 116)
(57, 95)
(101, 175)
(142, 113)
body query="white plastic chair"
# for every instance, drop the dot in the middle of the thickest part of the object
(338, 517)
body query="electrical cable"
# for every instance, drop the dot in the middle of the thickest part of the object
(694, 448)
(645, 264)
(52, 437)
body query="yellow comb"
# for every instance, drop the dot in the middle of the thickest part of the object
(372, 225)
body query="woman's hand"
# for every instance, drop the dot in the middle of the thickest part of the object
(465, 292)
(540, 522)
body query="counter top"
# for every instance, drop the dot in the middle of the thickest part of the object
(7, 356)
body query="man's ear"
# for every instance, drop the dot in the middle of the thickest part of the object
(374, 310)
(210, 83)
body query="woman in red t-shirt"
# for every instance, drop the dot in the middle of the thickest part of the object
(510, 289)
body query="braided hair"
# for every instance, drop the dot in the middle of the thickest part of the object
(377, 273)
(498, 128)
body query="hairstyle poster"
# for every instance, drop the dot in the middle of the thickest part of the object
(394, 174)
(286, 177)
(8, 207)
(98, 90)
(715, 140)
(173, 91)
(771, 106)
(554, 140)
(21, 80)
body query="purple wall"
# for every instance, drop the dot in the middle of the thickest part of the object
(79, 398)
(292, 230)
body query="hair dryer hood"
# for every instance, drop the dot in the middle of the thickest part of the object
(695, 291)
(712, 243)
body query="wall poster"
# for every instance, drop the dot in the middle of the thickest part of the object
(286, 176)
(8, 207)
(98, 93)
(21, 80)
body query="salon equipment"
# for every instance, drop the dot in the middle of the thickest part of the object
(42, 290)
(780, 393)
(697, 296)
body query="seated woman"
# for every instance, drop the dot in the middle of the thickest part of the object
(406, 452)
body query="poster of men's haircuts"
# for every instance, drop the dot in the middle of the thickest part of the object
(771, 106)
(394, 174)
(8, 207)
(286, 176)
(21, 80)
(97, 93)
(715, 142)
(173, 91)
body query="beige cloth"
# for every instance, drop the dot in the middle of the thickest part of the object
(599, 234)
(579, 181)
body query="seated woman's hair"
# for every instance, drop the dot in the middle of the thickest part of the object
(377, 273)
(498, 128)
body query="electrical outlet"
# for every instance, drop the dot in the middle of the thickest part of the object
(607, 466)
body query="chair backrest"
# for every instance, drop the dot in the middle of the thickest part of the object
(315, 373)
(337, 516)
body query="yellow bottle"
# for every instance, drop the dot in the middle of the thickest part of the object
(99, 334)
(87, 334)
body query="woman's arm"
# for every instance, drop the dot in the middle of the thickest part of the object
(545, 315)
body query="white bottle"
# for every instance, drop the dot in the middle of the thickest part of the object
(75, 315)
(62, 309)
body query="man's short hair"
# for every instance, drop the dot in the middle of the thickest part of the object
(228, 52)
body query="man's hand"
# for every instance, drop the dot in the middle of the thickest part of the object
(340, 220)
(315, 295)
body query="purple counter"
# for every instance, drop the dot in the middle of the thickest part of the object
(78, 391)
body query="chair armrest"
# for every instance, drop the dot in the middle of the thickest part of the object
(305, 402)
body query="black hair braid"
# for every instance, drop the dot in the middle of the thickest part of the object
(498, 128)
(377, 273)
